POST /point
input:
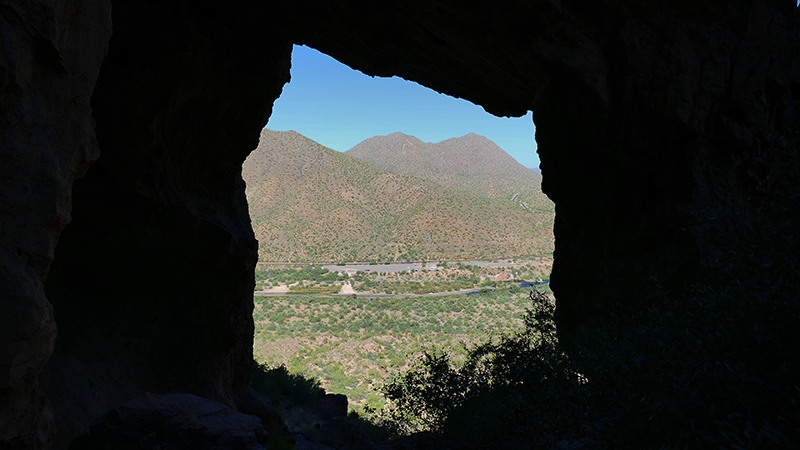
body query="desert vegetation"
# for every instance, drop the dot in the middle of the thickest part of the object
(518, 389)
(353, 345)
(445, 277)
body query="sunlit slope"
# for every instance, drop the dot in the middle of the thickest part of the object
(471, 163)
(310, 203)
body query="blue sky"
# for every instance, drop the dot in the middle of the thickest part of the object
(340, 107)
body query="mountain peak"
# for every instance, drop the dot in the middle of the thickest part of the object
(310, 203)
(470, 162)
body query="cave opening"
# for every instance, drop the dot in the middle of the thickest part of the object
(357, 351)
(668, 133)
(152, 281)
(665, 130)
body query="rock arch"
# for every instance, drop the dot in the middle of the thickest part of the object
(132, 119)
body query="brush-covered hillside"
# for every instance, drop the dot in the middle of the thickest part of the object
(471, 163)
(311, 203)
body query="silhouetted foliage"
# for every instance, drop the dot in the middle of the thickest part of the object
(278, 382)
(519, 391)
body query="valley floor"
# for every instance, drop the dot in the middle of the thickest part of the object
(355, 345)
(357, 340)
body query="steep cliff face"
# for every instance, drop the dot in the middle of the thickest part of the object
(639, 108)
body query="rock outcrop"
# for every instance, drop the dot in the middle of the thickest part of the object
(639, 108)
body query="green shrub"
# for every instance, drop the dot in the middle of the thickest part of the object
(517, 391)
(317, 290)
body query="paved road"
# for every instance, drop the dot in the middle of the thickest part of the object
(410, 267)
(469, 291)
(392, 268)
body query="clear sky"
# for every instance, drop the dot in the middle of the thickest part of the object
(339, 107)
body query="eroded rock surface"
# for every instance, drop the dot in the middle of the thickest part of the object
(640, 108)
(50, 58)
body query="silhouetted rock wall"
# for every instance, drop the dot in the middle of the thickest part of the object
(153, 279)
(152, 285)
(50, 58)
(639, 107)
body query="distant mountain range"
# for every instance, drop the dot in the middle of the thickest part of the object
(469, 163)
(393, 198)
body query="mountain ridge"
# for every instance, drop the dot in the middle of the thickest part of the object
(471, 163)
(311, 203)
